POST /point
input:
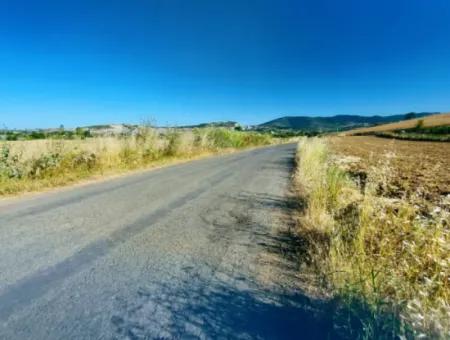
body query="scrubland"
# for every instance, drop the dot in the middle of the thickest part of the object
(35, 165)
(375, 221)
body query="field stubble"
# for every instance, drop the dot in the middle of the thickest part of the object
(415, 171)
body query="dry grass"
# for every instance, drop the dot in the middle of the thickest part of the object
(430, 121)
(369, 246)
(35, 165)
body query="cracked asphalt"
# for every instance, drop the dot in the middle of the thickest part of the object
(196, 250)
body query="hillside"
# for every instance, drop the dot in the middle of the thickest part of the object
(339, 122)
(429, 121)
(227, 124)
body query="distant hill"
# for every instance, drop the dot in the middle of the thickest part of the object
(335, 123)
(227, 124)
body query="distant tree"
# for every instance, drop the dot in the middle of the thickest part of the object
(11, 136)
(37, 135)
(82, 133)
(410, 115)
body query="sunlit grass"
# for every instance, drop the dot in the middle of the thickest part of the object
(35, 165)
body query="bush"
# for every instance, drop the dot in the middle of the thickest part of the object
(83, 160)
(173, 145)
(40, 166)
(9, 164)
(222, 138)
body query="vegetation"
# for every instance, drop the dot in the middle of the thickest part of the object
(61, 133)
(33, 165)
(410, 115)
(420, 123)
(419, 132)
(335, 123)
(417, 136)
(370, 247)
(289, 133)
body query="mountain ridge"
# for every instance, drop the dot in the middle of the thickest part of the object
(337, 122)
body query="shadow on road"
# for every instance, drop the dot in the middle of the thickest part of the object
(230, 305)
(221, 311)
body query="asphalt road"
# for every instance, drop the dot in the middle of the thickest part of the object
(196, 250)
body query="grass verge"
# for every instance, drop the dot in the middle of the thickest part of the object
(368, 249)
(35, 165)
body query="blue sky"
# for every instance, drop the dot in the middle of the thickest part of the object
(180, 62)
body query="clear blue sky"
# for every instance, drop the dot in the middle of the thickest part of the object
(188, 61)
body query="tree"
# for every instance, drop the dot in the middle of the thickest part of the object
(82, 133)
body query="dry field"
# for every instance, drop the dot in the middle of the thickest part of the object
(418, 170)
(375, 220)
(430, 121)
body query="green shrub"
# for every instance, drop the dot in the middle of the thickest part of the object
(40, 166)
(221, 138)
(173, 142)
(83, 160)
(10, 166)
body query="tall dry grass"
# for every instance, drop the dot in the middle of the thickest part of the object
(33, 165)
(366, 247)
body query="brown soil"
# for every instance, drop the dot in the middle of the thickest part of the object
(420, 169)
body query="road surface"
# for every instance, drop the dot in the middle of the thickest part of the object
(196, 250)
